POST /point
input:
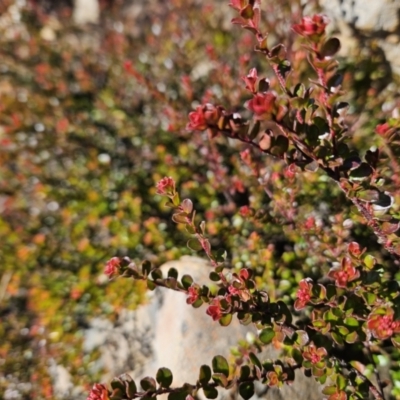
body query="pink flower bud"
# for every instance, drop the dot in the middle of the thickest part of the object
(193, 294)
(214, 310)
(250, 80)
(310, 26)
(303, 294)
(314, 354)
(166, 186)
(112, 265)
(345, 273)
(98, 392)
(204, 117)
(382, 129)
(262, 105)
(383, 326)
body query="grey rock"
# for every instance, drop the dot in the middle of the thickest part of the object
(361, 24)
(86, 11)
(378, 15)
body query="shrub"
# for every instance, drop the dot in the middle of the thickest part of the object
(334, 289)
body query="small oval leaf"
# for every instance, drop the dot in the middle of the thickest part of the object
(187, 206)
(210, 392)
(194, 245)
(164, 377)
(204, 374)
(266, 335)
(220, 365)
(246, 390)
(330, 47)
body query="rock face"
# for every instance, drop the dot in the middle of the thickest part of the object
(378, 21)
(86, 11)
(167, 332)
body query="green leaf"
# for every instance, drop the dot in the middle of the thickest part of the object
(247, 12)
(220, 255)
(263, 85)
(220, 365)
(164, 377)
(328, 390)
(187, 281)
(351, 337)
(284, 67)
(173, 273)
(255, 360)
(341, 382)
(148, 384)
(117, 384)
(343, 330)
(368, 195)
(245, 372)
(330, 47)
(363, 171)
(130, 385)
(177, 395)
(226, 320)
(266, 335)
(246, 390)
(150, 284)
(215, 277)
(204, 374)
(117, 394)
(299, 90)
(280, 145)
(351, 321)
(396, 341)
(156, 274)
(337, 338)
(220, 379)
(131, 388)
(190, 229)
(146, 267)
(297, 356)
(175, 200)
(277, 51)
(194, 245)
(210, 392)
(369, 261)
(254, 131)
(335, 81)
(369, 297)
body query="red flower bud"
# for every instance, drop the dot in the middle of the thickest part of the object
(314, 354)
(98, 392)
(310, 26)
(204, 117)
(345, 273)
(250, 80)
(214, 310)
(382, 129)
(112, 265)
(303, 294)
(166, 186)
(382, 326)
(262, 105)
(193, 294)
